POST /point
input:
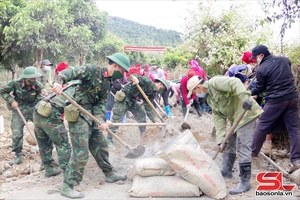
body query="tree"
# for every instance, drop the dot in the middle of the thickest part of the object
(218, 37)
(38, 28)
(88, 28)
(7, 10)
(286, 10)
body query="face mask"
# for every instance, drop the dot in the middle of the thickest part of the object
(201, 95)
(30, 82)
(160, 90)
(258, 60)
(117, 74)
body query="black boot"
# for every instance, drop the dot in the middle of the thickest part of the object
(245, 174)
(227, 164)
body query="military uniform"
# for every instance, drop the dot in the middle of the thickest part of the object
(226, 97)
(85, 136)
(130, 103)
(51, 130)
(45, 75)
(26, 96)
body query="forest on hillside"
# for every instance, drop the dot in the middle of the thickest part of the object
(131, 33)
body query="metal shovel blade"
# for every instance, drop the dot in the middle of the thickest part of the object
(185, 125)
(136, 152)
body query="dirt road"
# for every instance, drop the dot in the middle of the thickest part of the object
(26, 181)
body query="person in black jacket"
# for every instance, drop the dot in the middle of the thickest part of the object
(274, 76)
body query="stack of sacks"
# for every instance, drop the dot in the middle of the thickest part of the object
(152, 177)
(185, 156)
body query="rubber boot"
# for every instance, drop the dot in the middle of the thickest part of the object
(107, 115)
(227, 164)
(184, 111)
(112, 176)
(18, 159)
(245, 174)
(51, 171)
(198, 109)
(168, 111)
(142, 130)
(70, 192)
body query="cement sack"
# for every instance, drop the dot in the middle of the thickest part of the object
(163, 186)
(194, 165)
(150, 167)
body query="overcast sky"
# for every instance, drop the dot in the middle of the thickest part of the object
(168, 14)
(163, 14)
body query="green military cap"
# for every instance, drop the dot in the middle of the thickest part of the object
(164, 81)
(121, 60)
(30, 72)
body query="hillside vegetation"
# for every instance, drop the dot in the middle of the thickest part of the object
(131, 33)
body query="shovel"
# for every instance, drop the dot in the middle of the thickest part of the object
(133, 152)
(231, 131)
(185, 125)
(26, 124)
(139, 124)
(163, 131)
(149, 102)
(284, 173)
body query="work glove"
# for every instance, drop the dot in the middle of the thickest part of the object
(247, 104)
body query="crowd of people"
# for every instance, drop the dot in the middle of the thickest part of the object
(263, 85)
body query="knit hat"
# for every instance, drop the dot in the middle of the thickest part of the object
(190, 74)
(246, 57)
(134, 70)
(242, 77)
(147, 68)
(61, 66)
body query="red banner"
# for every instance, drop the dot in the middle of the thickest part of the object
(142, 49)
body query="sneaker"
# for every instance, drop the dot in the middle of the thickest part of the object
(70, 192)
(18, 160)
(113, 176)
(51, 171)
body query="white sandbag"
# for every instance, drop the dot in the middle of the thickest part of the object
(150, 167)
(194, 165)
(163, 186)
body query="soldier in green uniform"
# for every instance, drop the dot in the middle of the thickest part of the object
(49, 129)
(45, 72)
(227, 97)
(85, 136)
(25, 94)
(126, 100)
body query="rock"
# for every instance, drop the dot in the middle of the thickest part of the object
(30, 140)
(7, 166)
(295, 176)
(33, 150)
(2, 154)
(52, 191)
(26, 148)
(8, 174)
(35, 168)
(3, 139)
(2, 167)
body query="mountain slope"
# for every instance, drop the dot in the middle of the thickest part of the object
(137, 34)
